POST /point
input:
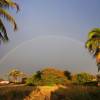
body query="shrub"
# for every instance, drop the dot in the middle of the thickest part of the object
(48, 76)
(68, 74)
(82, 78)
(29, 81)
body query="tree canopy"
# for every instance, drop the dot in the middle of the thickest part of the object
(93, 44)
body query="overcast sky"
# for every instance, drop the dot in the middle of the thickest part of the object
(68, 19)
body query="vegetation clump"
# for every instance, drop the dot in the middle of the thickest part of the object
(48, 76)
(82, 78)
(15, 76)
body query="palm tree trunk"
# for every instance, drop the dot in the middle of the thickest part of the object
(98, 61)
(98, 64)
(98, 58)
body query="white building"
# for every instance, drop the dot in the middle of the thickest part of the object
(4, 82)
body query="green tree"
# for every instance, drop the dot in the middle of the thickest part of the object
(35, 79)
(4, 5)
(48, 76)
(82, 78)
(68, 74)
(15, 74)
(93, 44)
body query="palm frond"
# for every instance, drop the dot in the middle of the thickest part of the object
(92, 45)
(12, 4)
(3, 33)
(6, 15)
(97, 51)
(9, 3)
(94, 33)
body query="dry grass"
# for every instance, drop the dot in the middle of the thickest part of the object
(77, 93)
(20, 92)
(14, 92)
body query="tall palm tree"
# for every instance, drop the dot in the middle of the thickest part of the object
(93, 44)
(4, 5)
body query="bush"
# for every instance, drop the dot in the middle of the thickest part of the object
(82, 78)
(48, 76)
(29, 81)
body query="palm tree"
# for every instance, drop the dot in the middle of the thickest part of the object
(93, 44)
(4, 5)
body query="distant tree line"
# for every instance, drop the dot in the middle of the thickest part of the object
(50, 76)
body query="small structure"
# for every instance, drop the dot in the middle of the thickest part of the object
(3, 82)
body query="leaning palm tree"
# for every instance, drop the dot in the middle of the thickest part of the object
(4, 5)
(93, 44)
